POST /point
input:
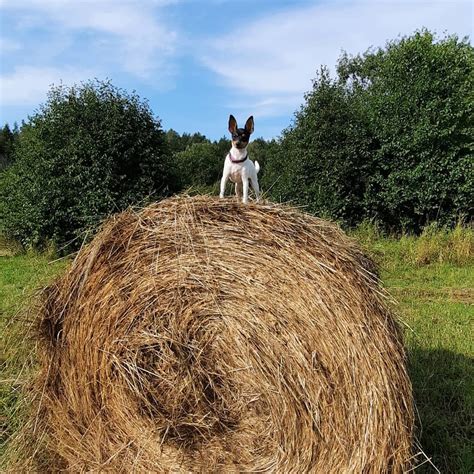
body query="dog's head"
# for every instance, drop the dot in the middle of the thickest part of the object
(240, 136)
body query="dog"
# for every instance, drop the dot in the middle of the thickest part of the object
(237, 166)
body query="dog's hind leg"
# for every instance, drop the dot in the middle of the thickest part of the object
(255, 188)
(245, 185)
(238, 190)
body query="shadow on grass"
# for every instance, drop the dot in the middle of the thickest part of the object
(443, 384)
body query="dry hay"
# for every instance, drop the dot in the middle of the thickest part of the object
(201, 335)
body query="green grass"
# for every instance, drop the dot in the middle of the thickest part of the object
(20, 277)
(432, 280)
(437, 302)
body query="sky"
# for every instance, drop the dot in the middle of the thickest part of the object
(197, 61)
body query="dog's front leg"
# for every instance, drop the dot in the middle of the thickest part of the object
(223, 183)
(245, 186)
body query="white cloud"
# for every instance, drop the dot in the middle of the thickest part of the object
(271, 62)
(8, 45)
(269, 105)
(129, 33)
(29, 85)
(74, 40)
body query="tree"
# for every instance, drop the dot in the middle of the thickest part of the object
(7, 142)
(419, 103)
(178, 143)
(321, 153)
(90, 150)
(260, 150)
(389, 138)
(200, 165)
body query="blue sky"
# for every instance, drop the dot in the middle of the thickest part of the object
(198, 61)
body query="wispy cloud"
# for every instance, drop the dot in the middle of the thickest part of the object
(137, 40)
(28, 85)
(100, 37)
(266, 105)
(281, 53)
(8, 46)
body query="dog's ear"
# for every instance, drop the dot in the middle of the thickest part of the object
(249, 125)
(232, 124)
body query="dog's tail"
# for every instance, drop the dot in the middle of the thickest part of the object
(257, 166)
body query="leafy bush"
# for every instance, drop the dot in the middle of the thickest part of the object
(322, 153)
(200, 164)
(7, 143)
(390, 138)
(420, 110)
(177, 142)
(262, 151)
(89, 151)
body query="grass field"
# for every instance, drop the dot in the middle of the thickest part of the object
(20, 277)
(432, 280)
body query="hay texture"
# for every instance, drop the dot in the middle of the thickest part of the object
(202, 335)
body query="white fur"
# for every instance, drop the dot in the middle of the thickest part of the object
(240, 174)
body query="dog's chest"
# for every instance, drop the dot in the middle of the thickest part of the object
(235, 172)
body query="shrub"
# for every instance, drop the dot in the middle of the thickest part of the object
(89, 151)
(7, 143)
(200, 164)
(390, 138)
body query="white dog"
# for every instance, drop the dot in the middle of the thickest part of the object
(238, 167)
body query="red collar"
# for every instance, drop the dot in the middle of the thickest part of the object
(237, 161)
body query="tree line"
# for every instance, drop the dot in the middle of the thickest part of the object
(389, 137)
(8, 137)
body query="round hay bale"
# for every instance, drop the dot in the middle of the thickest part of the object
(201, 335)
